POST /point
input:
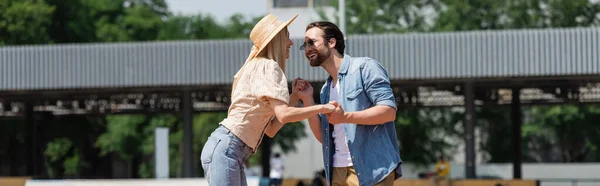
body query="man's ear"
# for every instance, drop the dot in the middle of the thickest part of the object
(332, 42)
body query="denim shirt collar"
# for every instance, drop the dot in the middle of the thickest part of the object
(345, 64)
(344, 68)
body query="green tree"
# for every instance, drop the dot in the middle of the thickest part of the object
(63, 159)
(122, 136)
(120, 20)
(426, 133)
(131, 137)
(381, 16)
(566, 133)
(457, 15)
(205, 27)
(24, 22)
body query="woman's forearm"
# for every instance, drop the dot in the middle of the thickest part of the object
(293, 114)
(274, 125)
(286, 114)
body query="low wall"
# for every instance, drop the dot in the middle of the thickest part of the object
(420, 182)
(129, 182)
(424, 182)
(13, 181)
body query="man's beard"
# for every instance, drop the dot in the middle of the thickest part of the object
(320, 58)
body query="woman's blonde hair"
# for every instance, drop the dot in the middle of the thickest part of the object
(275, 50)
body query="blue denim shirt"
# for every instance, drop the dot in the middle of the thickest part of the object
(375, 152)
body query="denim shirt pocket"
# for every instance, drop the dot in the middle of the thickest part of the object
(354, 93)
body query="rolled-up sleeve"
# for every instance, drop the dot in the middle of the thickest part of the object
(377, 84)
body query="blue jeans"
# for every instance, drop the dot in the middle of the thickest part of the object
(223, 158)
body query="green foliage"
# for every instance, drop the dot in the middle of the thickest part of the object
(73, 164)
(381, 16)
(24, 22)
(457, 15)
(426, 133)
(62, 155)
(288, 135)
(80, 21)
(566, 133)
(384, 16)
(146, 169)
(121, 136)
(57, 149)
(205, 27)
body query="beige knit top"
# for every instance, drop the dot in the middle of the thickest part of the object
(250, 111)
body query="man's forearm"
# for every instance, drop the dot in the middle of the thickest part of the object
(314, 121)
(372, 116)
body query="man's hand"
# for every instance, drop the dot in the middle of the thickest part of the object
(298, 85)
(337, 116)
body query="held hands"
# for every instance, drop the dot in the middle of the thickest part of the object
(336, 116)
(332, 110)
(328, 108)
(302, 88)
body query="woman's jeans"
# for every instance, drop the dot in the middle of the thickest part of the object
(223, 158)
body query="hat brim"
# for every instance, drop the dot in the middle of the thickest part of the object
(273, 34)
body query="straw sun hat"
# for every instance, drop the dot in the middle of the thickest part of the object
(263, 32)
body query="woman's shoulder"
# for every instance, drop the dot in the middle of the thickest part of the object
(268, 64)
(265, 61)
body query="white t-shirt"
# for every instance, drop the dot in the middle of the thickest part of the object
(341, 156)
(276, 168)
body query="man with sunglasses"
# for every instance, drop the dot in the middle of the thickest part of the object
(359, 141)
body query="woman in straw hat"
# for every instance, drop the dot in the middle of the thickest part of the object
(259, 105)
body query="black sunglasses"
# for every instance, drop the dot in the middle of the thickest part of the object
(311, 43)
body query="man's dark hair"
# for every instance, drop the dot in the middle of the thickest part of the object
(331, 31)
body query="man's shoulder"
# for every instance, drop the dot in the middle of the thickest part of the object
(364, 61)
(360, 59)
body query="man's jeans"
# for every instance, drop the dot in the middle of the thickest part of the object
(223, 158)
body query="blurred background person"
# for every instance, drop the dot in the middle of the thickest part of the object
(276, 173)
(442, 172)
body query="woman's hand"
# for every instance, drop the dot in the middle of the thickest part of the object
(329, 107)
(298, 85)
